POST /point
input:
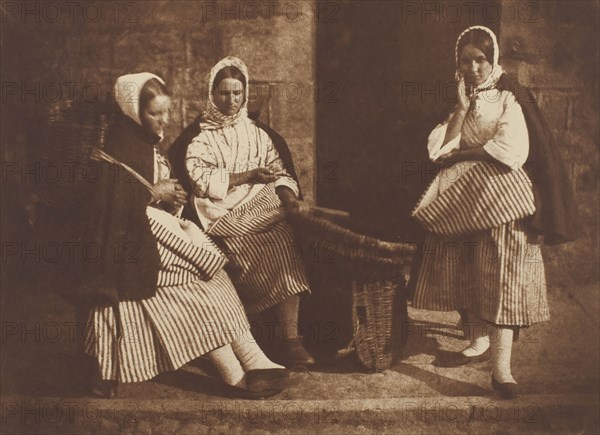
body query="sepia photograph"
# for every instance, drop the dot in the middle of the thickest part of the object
(300, 216)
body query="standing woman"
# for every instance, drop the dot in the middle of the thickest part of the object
(159, 297)
(484, 214)
(242, 188)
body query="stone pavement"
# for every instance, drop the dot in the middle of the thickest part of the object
(557, 365)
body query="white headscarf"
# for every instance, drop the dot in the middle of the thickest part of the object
(127, 93)
(212, 117)
(497, 70)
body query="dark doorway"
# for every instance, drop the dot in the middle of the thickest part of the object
(385, 71)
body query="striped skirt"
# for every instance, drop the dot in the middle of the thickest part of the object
(481, 260)
(188, 317)
(264, 261)
(497, 275)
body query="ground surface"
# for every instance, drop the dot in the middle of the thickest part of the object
(556, 364)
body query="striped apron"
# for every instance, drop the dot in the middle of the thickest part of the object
(264, 261)
(477, 253)
(195, 310)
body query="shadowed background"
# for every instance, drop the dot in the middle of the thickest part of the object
(355, 87)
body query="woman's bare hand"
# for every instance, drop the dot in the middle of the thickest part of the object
(290, 202)
(477, 154)
(171, 192)
(297, 206)
(254, 176)
(464, 100)
(449, 159)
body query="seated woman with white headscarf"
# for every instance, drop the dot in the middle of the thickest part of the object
(163, 298)
(243, 182)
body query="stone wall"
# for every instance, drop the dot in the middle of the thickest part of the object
(56, 50)
(553, 47)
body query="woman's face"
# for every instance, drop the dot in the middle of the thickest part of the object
(229, 96)
(473, 65)
(155, 116)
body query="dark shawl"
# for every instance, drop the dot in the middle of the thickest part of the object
(556, 216)
(115, 220)
(178, 150)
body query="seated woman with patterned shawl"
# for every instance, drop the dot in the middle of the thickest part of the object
(240, 175)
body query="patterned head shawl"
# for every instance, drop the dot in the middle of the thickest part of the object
(497, 71)
(127, 93)
(212, 118)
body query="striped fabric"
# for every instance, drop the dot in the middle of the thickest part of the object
(187, 317)
(486, 196)
(182, 261)
(477, 254)
(264, 262)
(497, 274)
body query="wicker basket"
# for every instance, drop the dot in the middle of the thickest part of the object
(73, 130)
(74, 138)
(369, 268)
(334, 234)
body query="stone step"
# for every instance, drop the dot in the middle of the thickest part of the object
(527, 414)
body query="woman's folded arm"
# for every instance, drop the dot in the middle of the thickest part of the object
(510, 144)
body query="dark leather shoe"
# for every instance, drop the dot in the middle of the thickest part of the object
(104, 389)
(236, 392)
(260, 384)
(463, 325)
(293, 354)
(507, 390)
(96, 386)
(268, 379)
(457, 359)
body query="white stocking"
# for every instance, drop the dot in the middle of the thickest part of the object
(227, 364)
(480, 341)
(250, 354)
(501, 340)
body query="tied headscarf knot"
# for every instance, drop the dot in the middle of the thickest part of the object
(212, 118)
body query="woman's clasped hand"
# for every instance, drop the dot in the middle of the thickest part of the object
(171, 192)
